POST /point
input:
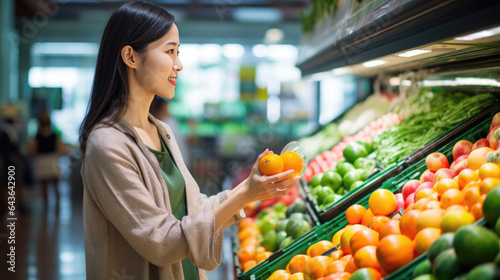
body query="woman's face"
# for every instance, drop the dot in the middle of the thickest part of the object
(159, 66)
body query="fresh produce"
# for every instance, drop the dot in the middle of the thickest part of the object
(254, 208)
(493, 156)
(330, 186)
(272, 164)
(481, 143)
(438, 219)
(445, 112)
(494, 137)
(495, 121)
(274, 228)
(328, 159)
(436, 161)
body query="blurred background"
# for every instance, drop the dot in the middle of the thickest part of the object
(257, 74)
(239, 93)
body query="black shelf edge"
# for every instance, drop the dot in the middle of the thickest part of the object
(416, 23)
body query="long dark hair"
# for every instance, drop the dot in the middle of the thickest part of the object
(136, 24)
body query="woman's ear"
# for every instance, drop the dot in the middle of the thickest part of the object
(129, 57)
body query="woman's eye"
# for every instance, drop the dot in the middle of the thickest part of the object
(172, 51)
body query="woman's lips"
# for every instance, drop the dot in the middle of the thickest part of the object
(172, 81)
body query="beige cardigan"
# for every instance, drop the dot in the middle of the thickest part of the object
(129, 229)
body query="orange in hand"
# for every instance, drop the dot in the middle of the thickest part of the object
(292, 160)
(271, 164)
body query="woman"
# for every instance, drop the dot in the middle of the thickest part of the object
(144, 215)
(47, 148)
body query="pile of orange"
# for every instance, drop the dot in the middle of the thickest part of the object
(272, 164)
(250, 253)
(379, 244)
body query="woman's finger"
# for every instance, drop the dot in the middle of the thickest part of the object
(286, 183)
(280, 176)
(256, 164)
(284, 191)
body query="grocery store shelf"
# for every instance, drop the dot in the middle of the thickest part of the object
(393, 28)
(454, 133)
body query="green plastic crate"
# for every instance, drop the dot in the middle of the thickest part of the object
(238, 269)
(394, 184)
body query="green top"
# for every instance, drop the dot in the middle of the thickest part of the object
(177, 195)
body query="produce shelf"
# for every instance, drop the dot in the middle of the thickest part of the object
(378, 179)
(406, 272)
(238, 269)
(448, 136)
(374, 182)
(394, 184)
(393, 28)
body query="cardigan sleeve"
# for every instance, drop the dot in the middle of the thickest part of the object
(214, 201)
(111, 174)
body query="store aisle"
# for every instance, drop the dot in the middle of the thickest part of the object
(49, 243)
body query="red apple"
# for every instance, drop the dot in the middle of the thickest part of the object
(443, 173)
(459, 167)
(400, 202)
(462, 147)
(427, 176)
(436, 161)
(409, 200)
(495, 121)
(481, 143)
(426, 185)
(493, 137)
(459, 159)
(410, 188)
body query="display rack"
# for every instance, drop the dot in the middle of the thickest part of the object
(397, 26)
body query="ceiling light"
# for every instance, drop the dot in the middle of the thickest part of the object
(273, 36)
(480, 35)
(374, 63)
(283, 52)
(413, 53)
(65, 49)
(319, 76)
(260, 50)
(394, 81)
(233, 50)
(462, 82)
(341, 71)
(212, 53)
(260, 15)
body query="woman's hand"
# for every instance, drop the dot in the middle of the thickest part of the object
(261, 187)
(255, 187)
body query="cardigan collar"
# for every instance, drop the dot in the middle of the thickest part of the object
(124, 126)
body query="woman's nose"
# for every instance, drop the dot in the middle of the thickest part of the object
(178, 65)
